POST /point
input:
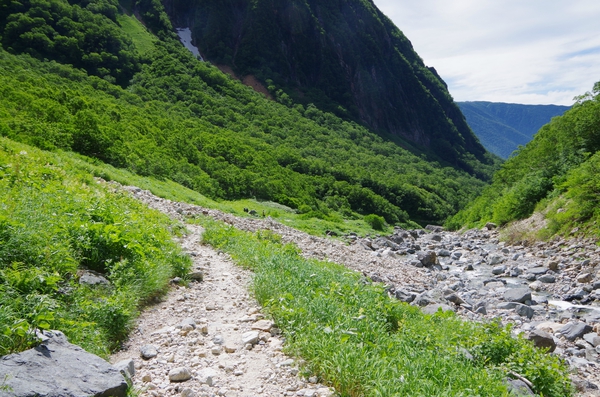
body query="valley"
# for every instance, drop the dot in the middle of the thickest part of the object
(281, 199)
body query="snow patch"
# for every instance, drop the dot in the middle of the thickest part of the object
(185, 35)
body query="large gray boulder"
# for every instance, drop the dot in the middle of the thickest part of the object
(519, 295)
(57, 368)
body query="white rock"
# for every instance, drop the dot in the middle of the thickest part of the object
(206, 376)
(250, 337)
(180, 374)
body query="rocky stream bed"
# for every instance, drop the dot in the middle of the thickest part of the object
(550, 291)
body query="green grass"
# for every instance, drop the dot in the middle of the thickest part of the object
(55, 221)
(315, 223)
(142, 39)
(358, 340)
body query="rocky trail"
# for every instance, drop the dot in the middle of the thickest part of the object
(210, 338)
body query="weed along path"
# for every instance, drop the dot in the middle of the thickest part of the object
(211, 339)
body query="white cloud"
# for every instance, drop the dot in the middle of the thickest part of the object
(532, 51)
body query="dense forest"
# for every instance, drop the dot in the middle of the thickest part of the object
(343, 56)
(557, 173)
(503, 127)
(182, 119)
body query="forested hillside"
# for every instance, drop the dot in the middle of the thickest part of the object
(344, 56)
(557, 172)
(503, 127)
(182, 119)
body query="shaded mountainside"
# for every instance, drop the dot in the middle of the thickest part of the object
(503, 127)
(181, 119)
(344, 56)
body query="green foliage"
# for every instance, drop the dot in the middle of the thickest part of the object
(375, 221)
(84, 35)
(185, 121)
(355, 338)
(559, 160)
(55, 221)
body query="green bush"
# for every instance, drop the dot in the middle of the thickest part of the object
(375, 221)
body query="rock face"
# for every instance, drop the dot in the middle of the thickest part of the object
(264, 39)
(57, 368)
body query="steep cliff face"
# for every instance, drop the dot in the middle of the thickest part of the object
(344, 56)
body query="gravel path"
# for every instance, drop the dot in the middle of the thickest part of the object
(213, 337)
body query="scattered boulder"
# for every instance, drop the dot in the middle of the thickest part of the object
(250, 337)
(572, 331)
(435, 307)
(427, 258)
(519, 295)
(148, 351)
(57, 368)
(180, 374)
(404, 296)
(90, 277)
(542, 340)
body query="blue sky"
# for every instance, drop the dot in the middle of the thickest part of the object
(516, 51)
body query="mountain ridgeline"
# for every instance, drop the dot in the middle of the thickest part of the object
(345, 57)
(110, 80)
(503, 127)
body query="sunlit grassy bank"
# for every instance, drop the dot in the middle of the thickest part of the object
(55, 221)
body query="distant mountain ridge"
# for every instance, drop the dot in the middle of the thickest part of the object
(503, 127)
(344, 56)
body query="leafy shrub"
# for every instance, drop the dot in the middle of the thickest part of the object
(375, 221)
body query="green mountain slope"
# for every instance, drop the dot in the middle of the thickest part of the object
(344, 56)
(557, 171)
(184, 120)
(503, 127)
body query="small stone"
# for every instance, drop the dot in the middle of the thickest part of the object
(536, 286)
(148, 351)
(263, 325)
(216, 350)
(585, 278)
(126, 367)
(524, 311)
(592, 338)
(206, 376)
(188, 393)
(499, 270)
(218, 339)
(180, 374)
(147, 378)
(547, 279)
(250, 337)
(189, 322)
(230, 347)
(197, 275)
(553, 265)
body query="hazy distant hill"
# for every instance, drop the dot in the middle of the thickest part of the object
(502, 127)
